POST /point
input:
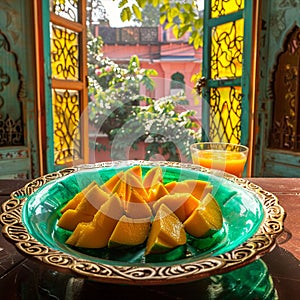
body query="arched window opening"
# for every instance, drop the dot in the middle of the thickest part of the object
(177, 83)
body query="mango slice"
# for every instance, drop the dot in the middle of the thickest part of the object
(156, 192)
(110, 184)
(127, 182)
(120, 189)
(72, 204)
(197, 188)
(135, 170)
(133, 182)
(182, 204)
(206, 219)
(166, 233)
(129, 232)
(85, 210)
(96, 233)
(71, 218)
(136, 206)
(152, 177)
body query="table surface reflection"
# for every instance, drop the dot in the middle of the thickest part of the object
(26, 278)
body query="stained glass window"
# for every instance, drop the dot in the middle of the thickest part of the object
(225, 7)
(225, 114)
(66, 112)
(227, 50)
(226, 39)
(64, 51)
(68, 73)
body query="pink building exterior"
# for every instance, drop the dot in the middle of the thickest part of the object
(157, 49)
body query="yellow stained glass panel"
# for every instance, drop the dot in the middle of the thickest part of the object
(66, 117)
(64, 53)
(227, 50)
(225, 7)
(225, 114)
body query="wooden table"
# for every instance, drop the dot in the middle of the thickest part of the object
(25, 278)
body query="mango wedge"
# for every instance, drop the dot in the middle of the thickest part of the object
(182, 204)
(110, 184)
(129, 232)
(127, 182)
(206, 219)
(96, 233)
(85, 209)
(197, 188)
(136, 206)
(167, 232)
(152, 177)
(72, 204)
(156, 192)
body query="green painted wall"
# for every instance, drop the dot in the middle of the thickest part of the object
(278, 18)
(18, 157)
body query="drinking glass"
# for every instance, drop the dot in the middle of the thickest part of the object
(227, 157)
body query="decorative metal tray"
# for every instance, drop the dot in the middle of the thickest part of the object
(253, 219)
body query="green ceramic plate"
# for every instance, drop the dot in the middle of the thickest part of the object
(252, 220)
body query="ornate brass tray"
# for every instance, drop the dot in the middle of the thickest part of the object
(253, 219)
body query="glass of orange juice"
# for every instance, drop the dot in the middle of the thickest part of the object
(227, 157)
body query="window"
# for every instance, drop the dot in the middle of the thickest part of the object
(177, 83)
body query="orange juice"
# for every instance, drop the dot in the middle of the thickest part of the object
(228, 161)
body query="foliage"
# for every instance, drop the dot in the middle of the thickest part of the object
(115, 98)
(150, 16)
(181, 16)
(114, 92)
(114, 109)
(166, 130)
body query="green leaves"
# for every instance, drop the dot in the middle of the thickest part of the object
(182, 17)
(114, 91)
(126, 14)
(137, 12)
(141, 3)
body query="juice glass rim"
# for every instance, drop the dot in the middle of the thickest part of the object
(223, 145)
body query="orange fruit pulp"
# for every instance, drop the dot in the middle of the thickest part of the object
(228, 161)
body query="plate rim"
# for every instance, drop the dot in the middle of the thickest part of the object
(262, 242)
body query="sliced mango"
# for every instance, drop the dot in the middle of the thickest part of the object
(167, 232)
(71, 218)
(110, 184)
(136, 206)
(96, 233)
(120, 189)
(129, 232)
(136, 183)
(152, 177)
(135, 170)
(182, 204)
(156, 192)
(197, 188)
(72, 204)
(129, 181)
(118, 213)
(206, 219)
(85, 210)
